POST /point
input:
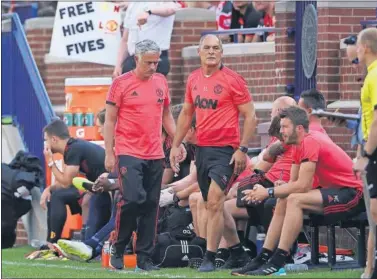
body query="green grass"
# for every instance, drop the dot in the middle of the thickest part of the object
(14, 265)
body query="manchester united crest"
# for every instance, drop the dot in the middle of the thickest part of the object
(218, 89)
(159, 92)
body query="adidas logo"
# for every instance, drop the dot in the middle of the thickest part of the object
(185, 258)
(134, 94)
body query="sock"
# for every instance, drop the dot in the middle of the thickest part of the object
(241, 236)
(264, 255)
(83, 231)
(236, 250)
(251, 248)
(279, 258)
(222, 254)
(210, 256)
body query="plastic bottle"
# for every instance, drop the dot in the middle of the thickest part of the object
(89, 118)
(296, 267)
(105, 258)
(78, 118)
(68, 118)
(260, 241)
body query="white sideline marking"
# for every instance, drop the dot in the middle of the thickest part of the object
(49, 265)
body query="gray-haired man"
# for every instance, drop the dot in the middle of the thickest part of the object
(137, 106)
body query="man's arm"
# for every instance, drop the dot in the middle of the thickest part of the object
(371, 144)
(183, 123)
(168, 121)
(185, 193)
(123, 49)
(248, 112)
(109, 127)
(303, 183)
(165, 10)
(65, 178)
(184, 182)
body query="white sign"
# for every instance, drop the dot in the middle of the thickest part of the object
(87, 32)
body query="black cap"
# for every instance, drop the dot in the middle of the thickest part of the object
(351, 40)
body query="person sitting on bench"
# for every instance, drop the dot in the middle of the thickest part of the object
(340, 196)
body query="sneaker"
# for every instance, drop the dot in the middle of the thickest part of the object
(219, 263)
(207, 266)
(237, 262)
(252, 265)
(195, 263)
(146, 265)
(116, 259)
(82, 184)
(75, 250)
(266, 269)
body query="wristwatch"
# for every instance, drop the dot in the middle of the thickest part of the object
(363, 153)
(271, 192)
(149, 12)
(243, 149)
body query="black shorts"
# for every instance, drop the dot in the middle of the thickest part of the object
(372, 176)
(213, 163)
(341, 203)
(140, 179)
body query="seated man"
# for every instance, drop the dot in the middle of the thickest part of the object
(340, 196)
(79, 156)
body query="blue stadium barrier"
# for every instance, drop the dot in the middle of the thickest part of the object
(244, 31)
(368, 23)
(24, 10)
(24, 95)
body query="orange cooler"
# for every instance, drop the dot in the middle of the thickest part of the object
(85, 92)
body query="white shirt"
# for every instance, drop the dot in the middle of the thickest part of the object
(157, 28)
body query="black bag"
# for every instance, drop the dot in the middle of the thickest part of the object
(257, 178)
(176, 221)
(171, 252)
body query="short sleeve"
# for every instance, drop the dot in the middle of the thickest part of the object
(128, 17)
(188, 95)
(167, 99)
(240, 92)
(373, 93)
(72, 156)
(114, 96)
(309, 151)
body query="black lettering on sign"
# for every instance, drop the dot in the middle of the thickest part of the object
(205, 103)
(81, 27)
(77, 10)
(85, 47)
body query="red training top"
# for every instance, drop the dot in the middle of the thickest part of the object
(138, 131)
(216, 99)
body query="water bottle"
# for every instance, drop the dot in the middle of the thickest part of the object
(68, 118)
(105, 258)
(78, 118)
(296, 267)
(260, 241)
(89, 118)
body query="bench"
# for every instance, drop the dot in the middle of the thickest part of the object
(360, 222)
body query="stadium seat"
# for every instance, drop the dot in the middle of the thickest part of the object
(73, 223)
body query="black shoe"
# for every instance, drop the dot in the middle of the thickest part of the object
(207, 266)
(237, 262)
(146, 265)
(116, 259)
(252, 265)
(195, 263)
(266, 269)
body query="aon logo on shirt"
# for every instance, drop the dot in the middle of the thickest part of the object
(205, 103)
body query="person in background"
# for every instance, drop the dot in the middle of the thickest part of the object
(366, 49)
(146, 20)
(267, 20)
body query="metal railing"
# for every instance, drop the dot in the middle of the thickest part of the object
(24, 95)
(243, 31)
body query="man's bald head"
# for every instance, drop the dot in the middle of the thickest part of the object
(368, 38)
(280, 104)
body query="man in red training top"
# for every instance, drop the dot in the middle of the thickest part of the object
(340, 196)
(217, 95)
(137, 106)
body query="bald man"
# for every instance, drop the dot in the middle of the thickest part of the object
(276, 168)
